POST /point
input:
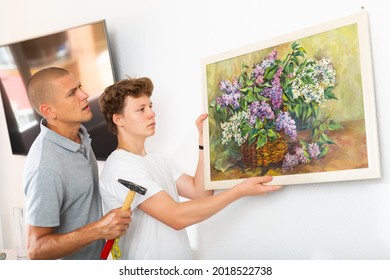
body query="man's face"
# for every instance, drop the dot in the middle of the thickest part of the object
(138, 117)
(71, 102)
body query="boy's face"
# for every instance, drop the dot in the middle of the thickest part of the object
(138, 118)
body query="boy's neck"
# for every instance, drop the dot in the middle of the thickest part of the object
(140, 151)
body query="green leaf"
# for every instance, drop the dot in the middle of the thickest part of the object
(271, 73)
(257, 89)
(300, 53)
(329, 94)
(302, 66)
(334, 125)
(289, 68)
(224, 114)
(272, 134)
(244, 89)
(309, 112)
(303, 144)
(263, 132)
(259, 124)
(326, 139)
(249, 83)
(261, 141)
(315, 110)
(250, 97)
(246, 129)
(324, 151)
(298, 111)
(294, 45)
(295, 59)
(307, 80)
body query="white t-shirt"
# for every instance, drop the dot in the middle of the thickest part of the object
(146, 238)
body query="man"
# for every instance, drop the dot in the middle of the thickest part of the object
(63, 203)
(159, 218)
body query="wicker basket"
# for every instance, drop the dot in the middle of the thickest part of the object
(271, 152)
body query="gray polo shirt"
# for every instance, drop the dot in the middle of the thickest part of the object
(61, 186)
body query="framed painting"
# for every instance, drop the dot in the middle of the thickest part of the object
(300, 107)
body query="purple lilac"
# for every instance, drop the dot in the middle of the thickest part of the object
(273, 54)
(259, 69)
(275, 92)
(260, 110)
(232, 94)
(289, 162)
(292, 160)
(285, 122)
(314, 150)
(301, 156)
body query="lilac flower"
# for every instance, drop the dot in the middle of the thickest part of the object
(314, 150)
(232, 94)
(286, 123)
(231, 129)
(260, 110)
(259, 69)
(275, 92)
(292, 160)
(273, 54)
(229, 87)
(289, 162)
(301, 156)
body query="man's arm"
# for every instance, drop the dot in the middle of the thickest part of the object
(179, 215)
(44, 244)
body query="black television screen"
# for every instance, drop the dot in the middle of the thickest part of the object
(83, 50)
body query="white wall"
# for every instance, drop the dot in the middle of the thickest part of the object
(166, 40)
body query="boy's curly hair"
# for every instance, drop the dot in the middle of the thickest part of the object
(113, 99)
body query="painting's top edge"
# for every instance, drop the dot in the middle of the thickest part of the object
(357, 18)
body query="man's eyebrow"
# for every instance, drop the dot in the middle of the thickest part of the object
(74, 89)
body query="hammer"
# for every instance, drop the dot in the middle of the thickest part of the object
(133, 188)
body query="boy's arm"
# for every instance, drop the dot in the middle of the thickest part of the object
(179, 215)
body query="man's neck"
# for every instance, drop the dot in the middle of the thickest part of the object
(70, 132)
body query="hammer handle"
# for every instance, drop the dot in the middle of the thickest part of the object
(129, 200)
(126, 206)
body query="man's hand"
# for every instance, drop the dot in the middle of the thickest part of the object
(115, 223)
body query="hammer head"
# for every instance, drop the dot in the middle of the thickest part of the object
(132, 186)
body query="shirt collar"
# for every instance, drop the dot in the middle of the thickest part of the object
(63, 141)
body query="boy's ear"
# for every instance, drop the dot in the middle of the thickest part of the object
(47, 111)
(117, 119)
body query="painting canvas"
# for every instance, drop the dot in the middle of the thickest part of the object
(299, 107)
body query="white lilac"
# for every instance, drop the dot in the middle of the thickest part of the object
(322, 74)
(231, 129)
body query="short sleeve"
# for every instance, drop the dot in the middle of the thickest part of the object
(43, 198)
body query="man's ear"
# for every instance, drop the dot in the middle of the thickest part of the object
(47, 111)
(117, 119)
